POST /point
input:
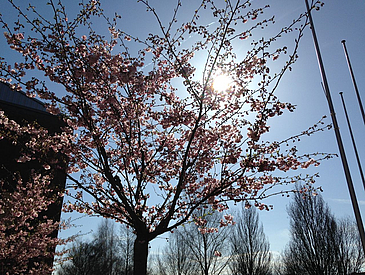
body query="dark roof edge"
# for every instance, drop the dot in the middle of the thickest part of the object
(41, 105)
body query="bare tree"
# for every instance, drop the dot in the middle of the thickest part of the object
(176, 257)
(249, 247)
(106, 240)
(81, 256)
(126, 239)
(351, 258)
(106, 254)
(313, 247)
(208, 247)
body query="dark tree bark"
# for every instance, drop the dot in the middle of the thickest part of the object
(140, 255)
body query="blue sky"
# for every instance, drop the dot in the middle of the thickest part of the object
(336, 21)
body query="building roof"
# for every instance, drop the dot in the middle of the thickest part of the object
(19, 98)
(21, 108)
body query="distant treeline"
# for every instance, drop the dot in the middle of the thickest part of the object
(319, 244)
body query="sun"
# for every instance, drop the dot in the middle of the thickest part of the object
(222, 82)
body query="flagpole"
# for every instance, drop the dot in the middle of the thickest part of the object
(337, 133)
(353, 140)
(353, 80)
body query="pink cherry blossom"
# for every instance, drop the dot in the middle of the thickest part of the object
(152, 143)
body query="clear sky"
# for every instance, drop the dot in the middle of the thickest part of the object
(336, 21)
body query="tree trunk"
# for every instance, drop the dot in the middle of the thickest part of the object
(140, 256)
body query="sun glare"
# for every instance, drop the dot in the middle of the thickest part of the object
(222, 82)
